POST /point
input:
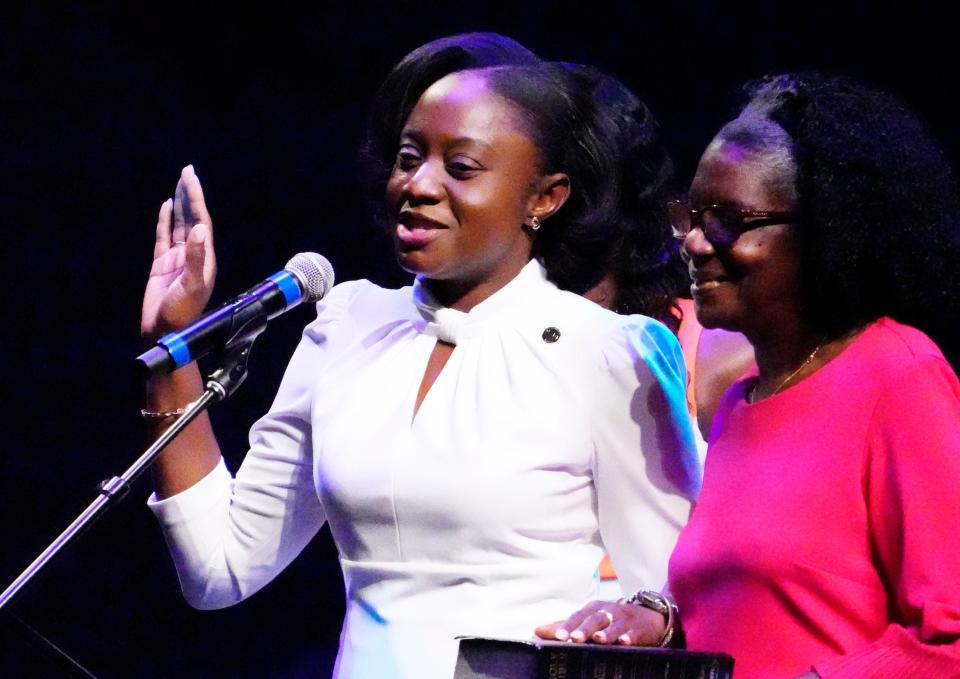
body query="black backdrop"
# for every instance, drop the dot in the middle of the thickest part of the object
(101, 106)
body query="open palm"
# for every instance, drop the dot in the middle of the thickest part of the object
(184, 263)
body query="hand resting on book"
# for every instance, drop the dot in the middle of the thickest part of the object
(608, 622)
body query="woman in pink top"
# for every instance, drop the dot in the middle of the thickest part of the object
(823, 224)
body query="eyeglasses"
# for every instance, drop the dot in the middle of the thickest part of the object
(721, 224)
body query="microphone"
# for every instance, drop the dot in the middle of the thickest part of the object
(306, 278)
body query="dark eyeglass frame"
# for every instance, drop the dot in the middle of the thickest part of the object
(729, 223)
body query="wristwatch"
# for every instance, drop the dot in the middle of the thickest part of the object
(655, 601)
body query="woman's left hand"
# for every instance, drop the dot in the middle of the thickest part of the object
(608, 622)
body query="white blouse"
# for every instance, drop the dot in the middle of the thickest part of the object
(555, 430)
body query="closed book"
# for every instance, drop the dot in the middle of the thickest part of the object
(481, 658)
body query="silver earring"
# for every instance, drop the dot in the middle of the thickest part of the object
(534, 223)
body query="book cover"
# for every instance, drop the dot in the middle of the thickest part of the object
(481, 658)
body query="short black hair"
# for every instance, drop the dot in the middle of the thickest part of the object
(585, 124)
(879, 226)
(410, 78)
(590, 126)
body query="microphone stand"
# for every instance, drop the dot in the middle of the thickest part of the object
(221, 384)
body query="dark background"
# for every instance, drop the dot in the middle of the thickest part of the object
(99, 109)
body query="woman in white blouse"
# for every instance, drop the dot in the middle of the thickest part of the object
(475, 441)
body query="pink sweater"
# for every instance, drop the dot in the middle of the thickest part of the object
(827, 534)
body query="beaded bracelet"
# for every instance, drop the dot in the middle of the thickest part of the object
(151, 415)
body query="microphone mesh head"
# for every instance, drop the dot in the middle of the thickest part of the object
(315, 273)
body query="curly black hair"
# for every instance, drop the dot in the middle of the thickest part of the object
(879, 213)
(585, 124)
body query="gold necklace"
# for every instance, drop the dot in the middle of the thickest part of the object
(806, 362)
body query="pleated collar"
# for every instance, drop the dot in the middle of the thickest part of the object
(452, 325)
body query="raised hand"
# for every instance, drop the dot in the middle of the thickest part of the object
(184, 263)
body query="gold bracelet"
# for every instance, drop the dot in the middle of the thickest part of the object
(655, 601)
(151, 415)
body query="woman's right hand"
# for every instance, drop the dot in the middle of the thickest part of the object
(184, 263)
(179, 287)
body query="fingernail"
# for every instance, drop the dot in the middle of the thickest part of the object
(624, 639)
(577, 635)
(561, 634)
(599, 636)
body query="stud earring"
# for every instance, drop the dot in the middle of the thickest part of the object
(533, 222)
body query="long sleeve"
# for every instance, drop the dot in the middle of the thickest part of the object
(488, 511)
(647, 469)
(230, 537)
(913, 496)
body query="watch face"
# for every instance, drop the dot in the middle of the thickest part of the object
(653, 601)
